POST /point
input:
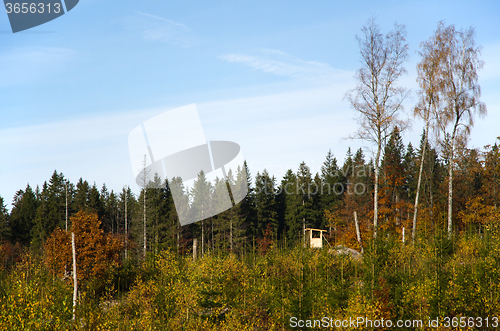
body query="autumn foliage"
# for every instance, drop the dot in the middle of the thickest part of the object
(95, 250)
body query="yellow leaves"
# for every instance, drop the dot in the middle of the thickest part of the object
(332, 218)
(33, 301)
(262, 292)
(476, 212)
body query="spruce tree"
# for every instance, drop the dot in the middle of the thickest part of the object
(41, 227)
(94, 203)
(265, 204)
(81, 196)
(200, 206)
(4, 221)
(393, 181)
(22, 216)
(244, 213)
(56, 201)
(331, 181)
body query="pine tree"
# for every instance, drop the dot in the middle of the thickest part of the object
(200, 207)
(299, 212)
(107, 220)
(4, 222)
(41, 227)
(394, 179)
(410, 166)
(81, 196)
(317, 203)
(219, 200)
(243, 214)
(127, 206)
(492, 174)
(265, 204)
(181, 209)
(348, 166)
(22, 217)
(94, 203)
(283, 200)
(332, 182)
(56, 201)
(158, 201)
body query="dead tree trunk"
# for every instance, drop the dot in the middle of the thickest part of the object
(358, 234)
(415, 209)
(75, 279)
(195, 244)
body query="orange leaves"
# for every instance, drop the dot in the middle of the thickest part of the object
(341, 221)
(58, 252)
(95, 250)
(476, 212)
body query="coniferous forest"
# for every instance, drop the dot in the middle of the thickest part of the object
(429, 226)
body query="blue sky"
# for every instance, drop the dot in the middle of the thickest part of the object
(270, 76)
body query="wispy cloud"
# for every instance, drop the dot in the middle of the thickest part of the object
(283, 64)
(93, 147)
(160, 29)
(163, 19)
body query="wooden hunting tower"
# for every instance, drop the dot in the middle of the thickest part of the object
(314, 237)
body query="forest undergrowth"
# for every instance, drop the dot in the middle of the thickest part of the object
(263, 289)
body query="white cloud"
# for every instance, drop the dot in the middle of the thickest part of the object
(158, 29)
(94, 148)
(275, 131)
(163, 19)
(279, 130)
(283, 64)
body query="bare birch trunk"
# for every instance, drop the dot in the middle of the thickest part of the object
(178, 237)
(303, 227)
(375, 198)
(195, 246)
(144, 224)
(75, 279)
(126, 225)
(145, 173)
(66, 207)
(415, 209)
(450, 189)
(231, 234)
(358, 234)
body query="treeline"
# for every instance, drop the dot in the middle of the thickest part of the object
(401, 187)
(275, 210)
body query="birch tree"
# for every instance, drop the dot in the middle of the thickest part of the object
(430, 82)
(376, 98)
(458, 83)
